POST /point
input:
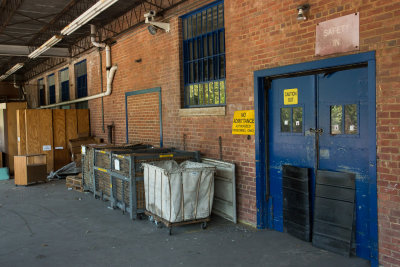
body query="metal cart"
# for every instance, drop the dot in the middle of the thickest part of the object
(118, 176)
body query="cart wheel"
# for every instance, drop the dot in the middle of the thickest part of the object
(159, 224)
(203, 225)
(170, 231)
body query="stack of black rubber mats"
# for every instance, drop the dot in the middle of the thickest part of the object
(334, 211)
(296, 202)
(333, 218)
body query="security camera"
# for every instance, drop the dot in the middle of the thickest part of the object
(150, 15)
(149, 19)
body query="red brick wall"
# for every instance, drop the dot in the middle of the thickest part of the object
(144, 118)
(260, 35)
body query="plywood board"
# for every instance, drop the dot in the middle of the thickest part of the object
(71, 124)
(21, 132)
(12, 149)
(61, 154)
(83, 122)
(46, 136)
(32, 126)
(20, 170)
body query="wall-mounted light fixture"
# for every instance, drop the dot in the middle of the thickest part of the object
(302, 11)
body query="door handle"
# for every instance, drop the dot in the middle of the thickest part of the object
(317, 131)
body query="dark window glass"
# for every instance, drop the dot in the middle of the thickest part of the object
(42, 92)
(81, 79)
(185, 27)
(64, 84)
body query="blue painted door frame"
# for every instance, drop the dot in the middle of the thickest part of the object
(261, 77)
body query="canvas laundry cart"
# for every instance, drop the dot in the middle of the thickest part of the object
(178, 194)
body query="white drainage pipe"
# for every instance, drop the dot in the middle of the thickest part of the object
(110, 75)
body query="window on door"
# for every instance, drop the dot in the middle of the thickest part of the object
(52, 88)
(81, 79)
(344, 119)
(292, 120)
(204, 56)
(42, 92)
(64, 84)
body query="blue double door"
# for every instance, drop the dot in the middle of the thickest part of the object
(320, 121)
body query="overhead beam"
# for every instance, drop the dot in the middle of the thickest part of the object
(7, 11)
(19, 50)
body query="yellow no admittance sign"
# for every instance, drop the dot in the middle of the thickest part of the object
(243, 122)
(290, 96)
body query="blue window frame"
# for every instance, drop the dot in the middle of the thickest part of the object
(81, 79)
(42, 94)
(204, 56)
(52, 88)
(64, 84)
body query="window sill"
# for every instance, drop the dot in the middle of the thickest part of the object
(193, 112)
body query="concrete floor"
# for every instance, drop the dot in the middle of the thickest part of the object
(47, 225)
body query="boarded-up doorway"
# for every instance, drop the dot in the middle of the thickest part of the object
(144, 117)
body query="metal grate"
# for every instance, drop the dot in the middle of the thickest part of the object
(204, 56)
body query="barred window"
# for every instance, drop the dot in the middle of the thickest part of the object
(42, 94)
(81, 79)
(64, 84)
(204, 56)
(52, 88)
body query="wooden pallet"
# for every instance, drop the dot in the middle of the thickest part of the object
(74, 182)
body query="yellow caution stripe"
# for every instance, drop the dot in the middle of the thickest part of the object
(167, 156)
(102, 170)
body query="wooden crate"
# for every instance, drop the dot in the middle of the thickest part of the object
(30, 169)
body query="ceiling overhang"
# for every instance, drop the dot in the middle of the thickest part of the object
(25, 25)
(23, 51)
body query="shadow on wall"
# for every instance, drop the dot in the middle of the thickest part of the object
(8, 90)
